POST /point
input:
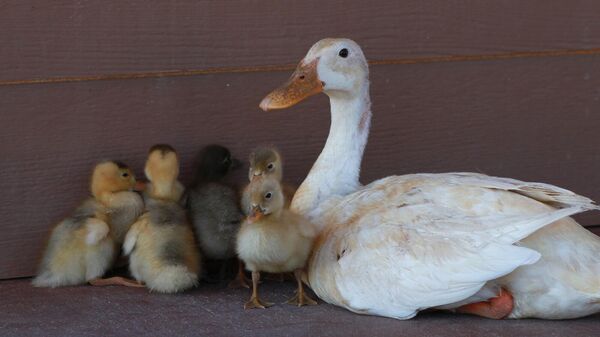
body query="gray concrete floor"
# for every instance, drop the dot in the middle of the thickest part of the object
(214, 310)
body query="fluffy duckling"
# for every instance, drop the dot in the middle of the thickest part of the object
(273, 239)
(83, 247)
(160, 245)
(214, 207)
(266, 162)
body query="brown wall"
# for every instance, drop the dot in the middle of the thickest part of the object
(533, 118)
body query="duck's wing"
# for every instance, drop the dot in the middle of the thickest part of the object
(397, 261)
(471, 194)
(545, 193)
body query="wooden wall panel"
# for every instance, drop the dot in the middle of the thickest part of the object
(532, 119)
(41, 39)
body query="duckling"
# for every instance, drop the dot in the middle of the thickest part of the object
(160, 245)
(273, 239)
(214, 208)
(83, 246)
(266, 161)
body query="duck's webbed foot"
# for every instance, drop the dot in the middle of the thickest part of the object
(496, 308)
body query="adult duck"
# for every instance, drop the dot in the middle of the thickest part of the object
(468, 242)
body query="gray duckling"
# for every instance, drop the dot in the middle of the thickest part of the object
(214, 208)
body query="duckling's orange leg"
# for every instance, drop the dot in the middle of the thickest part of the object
(254, 301)
(240, 280)
(116, 281)
(496, 308)
(300, 298)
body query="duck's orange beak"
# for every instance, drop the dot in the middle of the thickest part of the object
(303, 83)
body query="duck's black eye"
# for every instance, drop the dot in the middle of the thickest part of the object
(268, 195)
(343, 53)
(270, 166)
(125, 174)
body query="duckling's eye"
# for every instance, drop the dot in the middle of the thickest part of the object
(270, 166)
(268, 195)
(343, 53)
(124, 174)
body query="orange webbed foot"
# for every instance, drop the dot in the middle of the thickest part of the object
(496, 308)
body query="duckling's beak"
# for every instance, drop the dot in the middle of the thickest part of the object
(255, 214)
(255, 175)
(303, 83)
(139, 186)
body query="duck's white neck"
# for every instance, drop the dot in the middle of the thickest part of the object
(336, 171)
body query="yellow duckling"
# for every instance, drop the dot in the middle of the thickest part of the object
(273, 239)
(161, 248)
(83, 246)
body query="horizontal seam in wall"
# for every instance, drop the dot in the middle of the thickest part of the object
(288, 67)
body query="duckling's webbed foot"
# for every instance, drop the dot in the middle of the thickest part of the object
(255, 301)
(300, 298)
(240, 281)
(116, 281)
(496, 308)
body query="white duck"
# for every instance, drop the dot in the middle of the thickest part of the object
(406, 243)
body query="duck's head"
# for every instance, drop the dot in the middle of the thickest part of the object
(336, 67)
